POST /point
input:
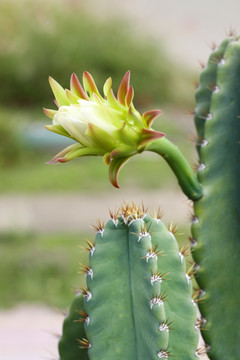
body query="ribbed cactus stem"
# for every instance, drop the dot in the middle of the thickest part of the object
(186, 177)
(217, 231)
(138, 298)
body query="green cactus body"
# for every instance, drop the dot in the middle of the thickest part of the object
(216, 225)
(73, 331)
(138, 297)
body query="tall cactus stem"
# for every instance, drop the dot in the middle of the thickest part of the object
(217, 249)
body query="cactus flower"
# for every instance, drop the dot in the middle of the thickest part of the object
(106, 125)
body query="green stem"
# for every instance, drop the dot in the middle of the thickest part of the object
(187, 179)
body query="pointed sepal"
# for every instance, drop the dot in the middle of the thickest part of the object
(58, 129)
(89, 84)
(76, 87)
(148, 136)
(115, 165)
(58, 92)
(123, 88)
(49, 112)
(150, 116)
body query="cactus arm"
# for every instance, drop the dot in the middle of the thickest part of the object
(179, 306)
(186, 177)
(217, 228)
(73, 331)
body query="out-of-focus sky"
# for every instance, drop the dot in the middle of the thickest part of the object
(186, 26)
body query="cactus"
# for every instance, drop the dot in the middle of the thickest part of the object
(138, 298)
(216, 230)
(118, 275)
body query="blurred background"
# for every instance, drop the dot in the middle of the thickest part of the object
(46, 211)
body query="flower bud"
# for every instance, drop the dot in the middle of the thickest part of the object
(106, 125)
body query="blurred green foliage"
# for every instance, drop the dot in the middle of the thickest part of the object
(40, 268)
(39, 38)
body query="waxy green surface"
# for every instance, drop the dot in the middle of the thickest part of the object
(124, 318)
(217, 229)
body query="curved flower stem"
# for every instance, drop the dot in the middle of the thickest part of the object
(187, 179)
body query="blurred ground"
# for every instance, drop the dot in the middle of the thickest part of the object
(51, 212)
(186, 27)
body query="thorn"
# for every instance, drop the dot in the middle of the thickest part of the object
(184, 250)
(192, 217)
(203, 350)
(212, 45)
(86, 270)
(84, 343)
(86, 293)
(159, 277)
(99, 227)
(158, 300)
(152, 254)
(231, 32)
(217, 60)
(158, 214)
(206, 116)
(202, 64)
(163, 354)
(114, 216)
(196, 84)
(197, 296)
(191, 271)
(84, 317)
(199, 323)
(61, 311)
(165, 326)
(191, 112)
(130, 211)
(172, 228)
(90, 248)
(144, 232)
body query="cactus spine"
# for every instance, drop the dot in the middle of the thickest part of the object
(138, 298)
(217, 230)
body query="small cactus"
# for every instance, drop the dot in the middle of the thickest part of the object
(138, 301)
